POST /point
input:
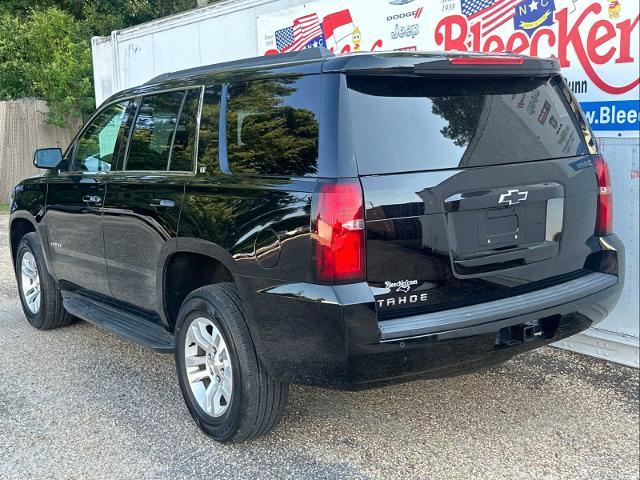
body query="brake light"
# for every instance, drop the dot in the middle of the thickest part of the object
(338, 232)
(486, 60)
(604, 215)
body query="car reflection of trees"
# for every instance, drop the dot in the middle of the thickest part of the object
(229, 211)
(267, 136)
(462, 113)
(208, 138)
(274, 137)
(268, 247)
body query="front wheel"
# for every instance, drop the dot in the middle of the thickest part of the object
(227, 390)
(39, 294)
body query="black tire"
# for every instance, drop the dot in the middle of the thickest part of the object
(258, 400)
(51, 313)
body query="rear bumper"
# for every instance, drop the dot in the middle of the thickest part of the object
(490, 312)
(330, 335)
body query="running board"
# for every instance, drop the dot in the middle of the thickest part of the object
(125, 324)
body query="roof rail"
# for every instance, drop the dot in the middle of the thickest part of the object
(307, 54)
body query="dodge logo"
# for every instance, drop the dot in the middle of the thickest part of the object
(513, 197)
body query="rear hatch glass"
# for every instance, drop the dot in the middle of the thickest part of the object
(404, 124)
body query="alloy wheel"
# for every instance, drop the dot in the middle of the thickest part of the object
(208, 364)
(30, 282)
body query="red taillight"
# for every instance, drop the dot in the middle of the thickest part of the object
(338, 228)
(486, 60)
(604, 215)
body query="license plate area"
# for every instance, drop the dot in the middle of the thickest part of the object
(485, 236)
(499, 229)
(476, 231)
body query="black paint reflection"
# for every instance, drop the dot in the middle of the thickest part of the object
(448, 232)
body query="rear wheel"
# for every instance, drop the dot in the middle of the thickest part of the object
(227, 390)
(39, 294)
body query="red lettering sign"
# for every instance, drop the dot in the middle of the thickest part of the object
(604, 41)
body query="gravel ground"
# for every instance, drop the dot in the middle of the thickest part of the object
(81, 403)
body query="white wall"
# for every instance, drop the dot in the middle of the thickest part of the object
(213, 34)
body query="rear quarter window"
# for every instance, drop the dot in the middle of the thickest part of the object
(273, 126)
(403, 124)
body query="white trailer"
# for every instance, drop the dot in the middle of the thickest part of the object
(240, 28)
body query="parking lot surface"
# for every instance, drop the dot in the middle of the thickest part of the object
(82, 403)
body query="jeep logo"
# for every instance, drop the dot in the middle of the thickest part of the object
(408, 31)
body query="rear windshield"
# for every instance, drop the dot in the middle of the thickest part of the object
(404, 124)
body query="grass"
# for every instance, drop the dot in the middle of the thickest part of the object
(4, 208)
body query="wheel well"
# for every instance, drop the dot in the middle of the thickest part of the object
(184, 273)
(19, 228)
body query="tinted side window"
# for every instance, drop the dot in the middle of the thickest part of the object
(273, 126)
(97, 147)
(209, 122)
(153, 130)
(185, 136)
(127, 125)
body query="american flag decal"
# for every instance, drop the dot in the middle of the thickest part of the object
(491, 13)
(470, 7)
(305, 30)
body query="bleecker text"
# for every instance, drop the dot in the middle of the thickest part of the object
(604, 42)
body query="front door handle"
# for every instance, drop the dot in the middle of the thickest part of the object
(162, 203)
(92, 199)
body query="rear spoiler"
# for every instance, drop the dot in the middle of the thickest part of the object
(446, 65)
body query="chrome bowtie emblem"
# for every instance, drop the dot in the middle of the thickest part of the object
(513, 197)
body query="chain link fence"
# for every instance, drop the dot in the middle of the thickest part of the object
(23, 128)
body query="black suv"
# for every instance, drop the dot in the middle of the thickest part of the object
(339, 221)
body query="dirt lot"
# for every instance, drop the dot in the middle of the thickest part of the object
(81, 403)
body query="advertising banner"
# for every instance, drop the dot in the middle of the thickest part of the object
(596, 42)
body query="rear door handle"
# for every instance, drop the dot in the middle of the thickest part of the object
(162, 203)
(92, 199)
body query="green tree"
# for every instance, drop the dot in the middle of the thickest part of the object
(46, 55)
(45, 46)
(103, 16)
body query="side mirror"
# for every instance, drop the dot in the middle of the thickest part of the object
(49, 158)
